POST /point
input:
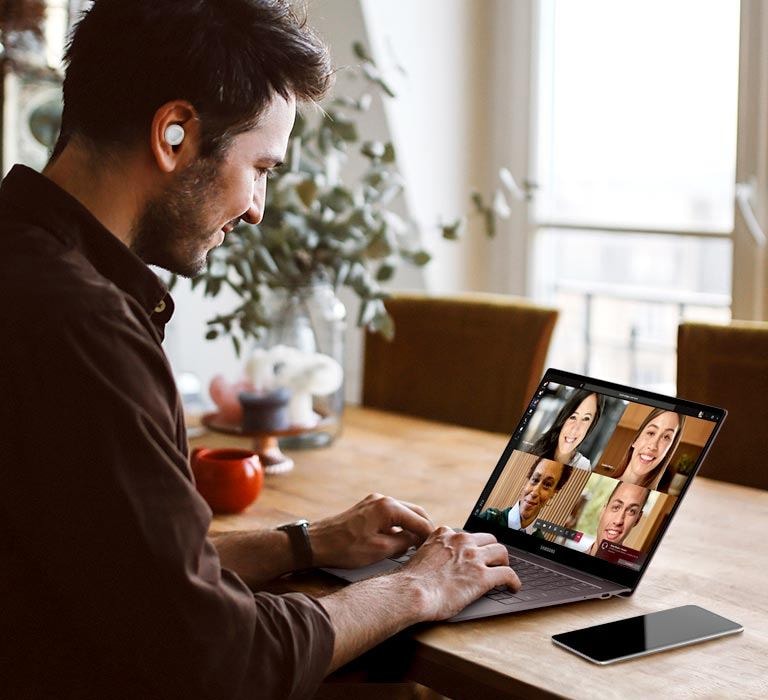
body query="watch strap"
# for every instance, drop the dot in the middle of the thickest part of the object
(301, 547)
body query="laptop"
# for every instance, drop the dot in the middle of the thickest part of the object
(584, 491)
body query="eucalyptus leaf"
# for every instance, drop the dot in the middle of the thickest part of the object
(379, 247)
(453, 231)
(390, 193)
(386, 326)
(361, 51)
(500, 205)
(373, 149)
(511, 184)
(385, 272)
(345, 129)
(213, 286)
(307, 190)
(374, 75)
(366, 313)
(490, 223)
(394, 223)
(325, 140)
(389, 153)
(342, 271)
(338, 199)
(364, 103)
(345, 101)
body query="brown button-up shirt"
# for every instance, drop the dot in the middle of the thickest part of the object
(109, 587)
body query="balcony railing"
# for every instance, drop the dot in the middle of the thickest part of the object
(647, 329)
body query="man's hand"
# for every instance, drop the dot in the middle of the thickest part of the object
(375, 528)
(450, 570)
(454, 568)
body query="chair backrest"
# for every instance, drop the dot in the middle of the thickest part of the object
(727, 365)
(471, 360)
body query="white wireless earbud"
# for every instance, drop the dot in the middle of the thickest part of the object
(174, 134)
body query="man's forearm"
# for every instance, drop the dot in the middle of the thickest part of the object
(257, 556)
(374, 528)
(366, 613)
(363, 614)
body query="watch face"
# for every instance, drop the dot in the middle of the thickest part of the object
(299, 523)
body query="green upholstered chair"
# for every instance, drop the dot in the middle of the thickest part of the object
(471, 359)
(727, 365)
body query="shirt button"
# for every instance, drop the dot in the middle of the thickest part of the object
(160, 307)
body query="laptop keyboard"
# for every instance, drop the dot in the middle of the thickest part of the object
(538, 582)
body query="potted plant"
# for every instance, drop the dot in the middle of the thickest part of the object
(683, 469)
(324, 229)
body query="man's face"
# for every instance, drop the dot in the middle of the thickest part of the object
(621, 513)
(192, 215)
(539, 488)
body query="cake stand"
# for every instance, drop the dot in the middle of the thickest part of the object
(265, 444)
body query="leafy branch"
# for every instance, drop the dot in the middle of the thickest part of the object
(319, 228)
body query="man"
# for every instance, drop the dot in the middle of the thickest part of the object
(174, 113)
(545, 479)
(621, 512)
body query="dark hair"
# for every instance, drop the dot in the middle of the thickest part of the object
(619, 483)
(228, 58)
(546, 444)
(564, 475)
(662, 465)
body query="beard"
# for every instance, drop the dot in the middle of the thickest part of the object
(172, 231)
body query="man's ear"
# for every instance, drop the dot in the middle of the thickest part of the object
(174, 137)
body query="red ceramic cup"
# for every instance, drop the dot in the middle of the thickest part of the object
(228, 479)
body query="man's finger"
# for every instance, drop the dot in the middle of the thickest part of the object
(495, 555)
(399, 542)
(416, 509)
(410, 520)
(481, 539)
(504, 576)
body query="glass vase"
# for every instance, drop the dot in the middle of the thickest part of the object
(311, 319)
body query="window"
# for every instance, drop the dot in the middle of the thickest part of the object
(635, 157)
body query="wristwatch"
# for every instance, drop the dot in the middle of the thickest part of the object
(298, 534)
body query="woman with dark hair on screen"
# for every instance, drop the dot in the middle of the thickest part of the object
(575, 421)
(651, 449)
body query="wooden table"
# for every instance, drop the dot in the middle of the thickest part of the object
(714, 554)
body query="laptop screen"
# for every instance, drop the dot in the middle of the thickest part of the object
(594, 472)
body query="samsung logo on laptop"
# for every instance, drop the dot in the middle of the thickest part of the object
(551, 550)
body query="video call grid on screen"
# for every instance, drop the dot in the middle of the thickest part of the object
(597, 470)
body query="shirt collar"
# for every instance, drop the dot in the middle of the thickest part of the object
(41, 201)
(513, 520)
